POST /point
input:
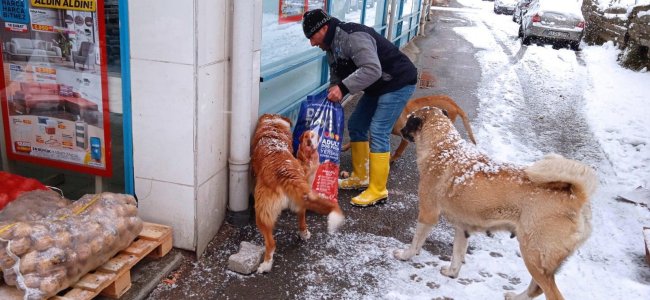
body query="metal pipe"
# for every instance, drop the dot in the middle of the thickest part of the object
(391, 21)
(241, 116)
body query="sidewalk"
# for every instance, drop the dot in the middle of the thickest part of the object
(298, 265)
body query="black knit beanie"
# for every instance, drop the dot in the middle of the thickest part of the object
(313, 20)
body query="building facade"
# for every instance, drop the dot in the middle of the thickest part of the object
(186, 82)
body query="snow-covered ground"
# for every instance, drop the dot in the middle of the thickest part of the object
(532, 100)
(613, 102)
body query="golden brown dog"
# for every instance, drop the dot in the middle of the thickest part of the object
(281, 183)
(545, 204)
(440, 101)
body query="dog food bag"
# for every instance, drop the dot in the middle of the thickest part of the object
(325, 119)
(43, 257)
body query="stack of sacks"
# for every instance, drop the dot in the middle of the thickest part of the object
(42, 257)
(32, 206)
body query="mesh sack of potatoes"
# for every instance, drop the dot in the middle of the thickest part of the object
(45, 256)
(33, 205)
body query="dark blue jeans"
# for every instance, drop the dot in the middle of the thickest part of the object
(378, 115)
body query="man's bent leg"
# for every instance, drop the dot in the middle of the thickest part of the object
(358, 125)
(389, 107)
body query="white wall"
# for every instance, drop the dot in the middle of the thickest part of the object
(180, 93)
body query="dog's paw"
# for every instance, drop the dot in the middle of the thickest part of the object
(265, 267)
(305, 235)
(449, 272)
(510, 296)
(334, 221)
(404, 254)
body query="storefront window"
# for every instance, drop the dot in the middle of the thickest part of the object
(406, 14)
(407, 21)
(111, 11)
(57, 89)
(287, 57)
(282, 35)
(374, 14)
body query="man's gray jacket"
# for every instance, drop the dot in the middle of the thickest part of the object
(362, 60)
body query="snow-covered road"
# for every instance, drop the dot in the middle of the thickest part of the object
(533, 100)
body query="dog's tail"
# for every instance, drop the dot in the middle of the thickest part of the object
(468, 128)
(297, 188)
(322, 205)
(554, 168)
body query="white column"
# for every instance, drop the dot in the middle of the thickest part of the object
(164, 99)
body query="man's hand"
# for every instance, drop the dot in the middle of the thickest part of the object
(334, 94)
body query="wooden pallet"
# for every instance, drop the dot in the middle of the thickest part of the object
(113, 279)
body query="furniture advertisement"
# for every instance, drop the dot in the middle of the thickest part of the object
(54, 84)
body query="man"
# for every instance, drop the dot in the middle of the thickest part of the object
(362, 60)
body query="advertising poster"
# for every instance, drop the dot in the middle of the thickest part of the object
(292, 10)
(54, 84)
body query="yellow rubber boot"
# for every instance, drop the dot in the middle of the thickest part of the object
(359, 177)
(376, 191)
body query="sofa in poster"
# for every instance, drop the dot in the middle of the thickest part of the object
(52, 96)
(22, 48)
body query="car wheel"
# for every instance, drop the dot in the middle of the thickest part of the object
(513, 18)
(521, 32)
(575, 46)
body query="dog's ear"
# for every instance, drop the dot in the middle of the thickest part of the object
(288, 120)
(444, 112)
(413, 125)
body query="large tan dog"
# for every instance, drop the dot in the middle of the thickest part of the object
(281, 183)
(440, 101)
(545, 204)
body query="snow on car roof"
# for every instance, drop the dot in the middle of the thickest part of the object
(569, 7)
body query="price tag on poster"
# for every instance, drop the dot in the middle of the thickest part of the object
(54, 84)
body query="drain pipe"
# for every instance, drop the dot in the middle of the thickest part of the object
(391, 20)
(424, 16)
(241, 105)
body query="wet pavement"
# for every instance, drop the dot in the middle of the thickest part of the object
(449, 62)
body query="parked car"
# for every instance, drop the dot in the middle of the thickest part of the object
(505, 6)
(520, 10)
(554, 21)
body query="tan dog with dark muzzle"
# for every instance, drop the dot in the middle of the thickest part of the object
(545, 204)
